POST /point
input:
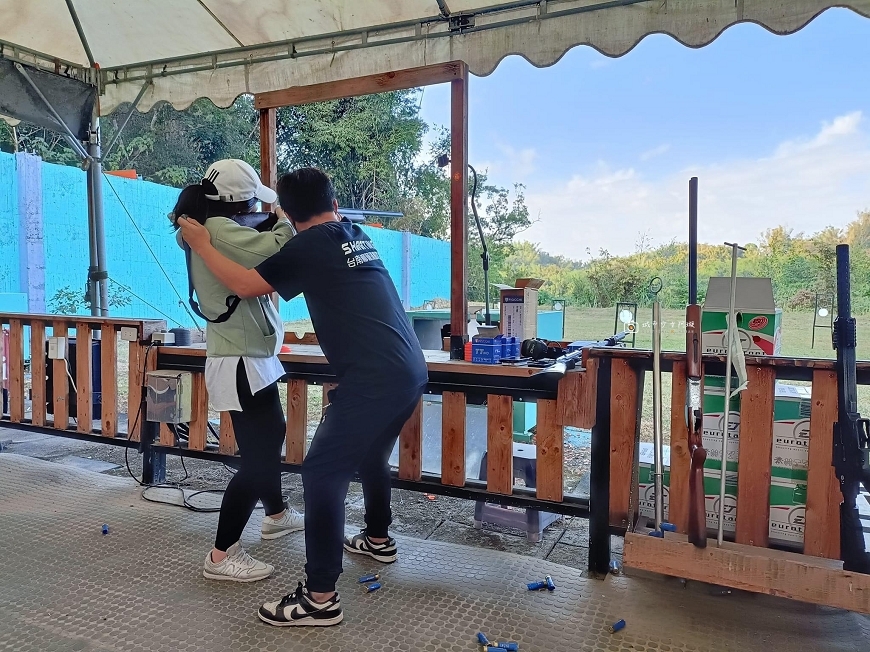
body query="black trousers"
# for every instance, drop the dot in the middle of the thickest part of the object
(357, 435)
(259, 430)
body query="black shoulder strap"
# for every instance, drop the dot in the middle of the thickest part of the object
(232, 300)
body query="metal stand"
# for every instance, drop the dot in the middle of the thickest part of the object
(655, 287)
(731, 330)
(153, 461)
(599, 476)
(823, 303)
(632, 307)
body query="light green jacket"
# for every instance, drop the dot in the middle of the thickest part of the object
(255, 329)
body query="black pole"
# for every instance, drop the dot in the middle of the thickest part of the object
(693, 240)
(599, 476)
(485, 254)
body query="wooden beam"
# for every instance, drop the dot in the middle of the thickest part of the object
(227, 444)
(15, 360)
(681, 462)
(458, 217)
(108, 380)
(141, 362)
(37, 373)
(822, 527)
(756, 448)
(749, 568)
(84, 384)
(453, 410)
(411, 446)
(576, 397)
(297, 421)
(268, 150)
(60, 383)
(197, 435)
(624, 404)
(390, 81)
(167, 436)
(550, 441)
(327, 387)
(499, 444)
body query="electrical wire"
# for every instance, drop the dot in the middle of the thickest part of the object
(148, 246)
(152, 306)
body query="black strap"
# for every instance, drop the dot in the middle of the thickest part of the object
(232, 300)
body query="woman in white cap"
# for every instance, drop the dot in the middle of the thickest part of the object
(242, 369)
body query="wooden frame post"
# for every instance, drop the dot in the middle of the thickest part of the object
(269, 158)
(458, 218)
(455, 73)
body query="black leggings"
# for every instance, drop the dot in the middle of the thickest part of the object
(259, 430)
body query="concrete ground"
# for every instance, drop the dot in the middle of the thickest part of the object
(66, 586)
(437, 518)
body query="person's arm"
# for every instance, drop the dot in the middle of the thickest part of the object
(243, 282)
(247, 246)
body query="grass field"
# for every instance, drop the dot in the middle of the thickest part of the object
(797, 327)
(598, 323)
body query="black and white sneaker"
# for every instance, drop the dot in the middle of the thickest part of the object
(361, 545)
(300, 610)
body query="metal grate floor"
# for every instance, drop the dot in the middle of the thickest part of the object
(65, 586)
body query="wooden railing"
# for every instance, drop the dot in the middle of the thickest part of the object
(571, 404)
(34, 329)
(816, 575)
(821, 529)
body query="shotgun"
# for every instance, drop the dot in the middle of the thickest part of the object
(851, 432)
(694, 385)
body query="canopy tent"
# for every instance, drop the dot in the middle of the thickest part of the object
(180, 50)
(222, 48)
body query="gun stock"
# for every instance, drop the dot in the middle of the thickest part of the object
(694, 418)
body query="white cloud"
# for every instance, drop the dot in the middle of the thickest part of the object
(656, 151)
(805, 183)
(513, 163)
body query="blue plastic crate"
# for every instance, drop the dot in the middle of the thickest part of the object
(486, 353)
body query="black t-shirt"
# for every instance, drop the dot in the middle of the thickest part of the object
(357, 315)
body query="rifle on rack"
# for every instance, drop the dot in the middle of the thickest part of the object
(694, 385)
(851, 455)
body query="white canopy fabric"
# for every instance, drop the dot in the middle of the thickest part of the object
(222, 48)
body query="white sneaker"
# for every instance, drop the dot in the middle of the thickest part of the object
(237, 566)
(273, 528)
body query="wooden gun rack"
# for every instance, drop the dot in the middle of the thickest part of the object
(749, 563)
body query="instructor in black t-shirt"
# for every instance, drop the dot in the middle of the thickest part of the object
(370, 345)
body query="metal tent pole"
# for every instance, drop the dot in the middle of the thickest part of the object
(100, 276)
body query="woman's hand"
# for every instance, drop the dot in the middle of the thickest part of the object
(194, 234)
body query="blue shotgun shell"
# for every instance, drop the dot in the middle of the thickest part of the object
(482, 639)
(373, 587)
(365, 579)
(511, 647)
(615, 567)
(105, 529)
(668, 527)
(615, 627)
(551, 586)
(537, 586)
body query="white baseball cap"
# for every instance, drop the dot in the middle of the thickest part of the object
(235, 181)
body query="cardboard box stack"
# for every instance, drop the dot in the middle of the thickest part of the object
(760, 325)
(760, 331)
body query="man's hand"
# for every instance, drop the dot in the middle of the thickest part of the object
(281, 214)
(194, 234)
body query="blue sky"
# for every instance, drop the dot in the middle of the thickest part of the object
(776, 128)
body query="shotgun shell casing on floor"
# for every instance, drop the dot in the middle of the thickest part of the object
(537, 586)
(482, 639)
(551, 585)
(105, 529)
(494, 648)
(615, 567)
(373, 587)
(615, 627)
(511, 646)
(365, 579)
